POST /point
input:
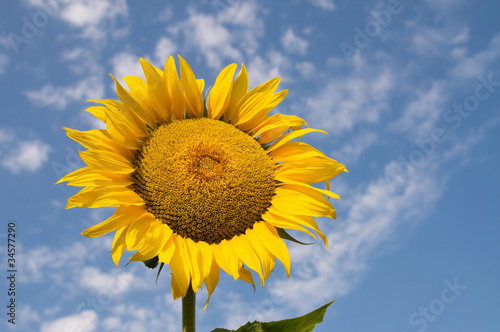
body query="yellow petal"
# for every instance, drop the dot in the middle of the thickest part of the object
(191, 90)
(176, 95)
(155, 239)
(98, 111)
(165, 254)
(137, 231)
(275, 125)
(221, 92)
(124, 115)
(269, 237)
(135, 103)
(287, 137)
(211, 281)
(107, 161)
(206, 259)
(93, 197)
(123, 216)
(88, 176)
(194, 257)
(247, 254)
(119, 244)
(306, 202)
(305, 188)
(239, 89)
(176, 292)
(266, 258)
(179, 265)
(309, 171)
(156, 91)
(246, 276)
(294, 151)
(99, 139)
(120, 132)
(252, 120)
(226, 258)
(307, 221)
(255, 100)
(201, 84)
(74, 175)
(281, 222)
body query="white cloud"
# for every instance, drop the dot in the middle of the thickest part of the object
(43, 263)
(26, 156)
(421, 114)
(59, 97)
(294, 44)
(165, 15)
(350, 151)
(474, 66)
(225, 36)
(306, 69)
(164, 48)
(126, 64)
(236, 310)
(445, 7)
(162, 315)
(209, 35)
(30, 315)
(86, 321)
(95, 280)
(261, 69)
(93, 16)
(430, 41)
(376, 213)
(324, 4)
(461, 37)
(347, 101)
(82, 62)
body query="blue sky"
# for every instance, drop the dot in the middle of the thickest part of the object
(408, 90)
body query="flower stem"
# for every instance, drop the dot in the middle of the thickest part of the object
(188, 311)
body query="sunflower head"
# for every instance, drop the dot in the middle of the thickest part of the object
(201, 186)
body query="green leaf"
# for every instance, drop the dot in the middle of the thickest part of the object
(159, 270)
(284, 235)
(305, 323)
(151, 263)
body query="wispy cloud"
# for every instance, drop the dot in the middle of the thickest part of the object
(60, 97)
(21, 155)
(324, 4)
(82, 63)
(346, 101)
(86, 321)
(293, 43)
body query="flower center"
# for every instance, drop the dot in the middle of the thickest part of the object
(204, 178)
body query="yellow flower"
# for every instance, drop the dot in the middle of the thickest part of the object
(201, 185)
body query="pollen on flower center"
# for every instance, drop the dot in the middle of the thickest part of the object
(207, 180)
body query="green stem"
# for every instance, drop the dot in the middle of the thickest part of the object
(188, 311)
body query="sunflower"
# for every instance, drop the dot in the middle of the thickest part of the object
(201, 184)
